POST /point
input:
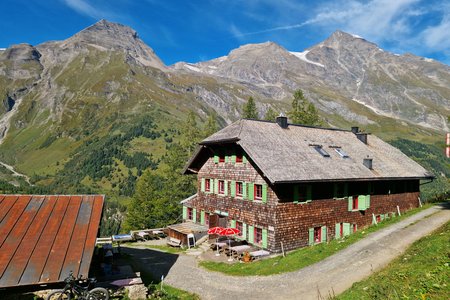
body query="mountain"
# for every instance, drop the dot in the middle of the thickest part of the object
(341, 73)
(96, 109)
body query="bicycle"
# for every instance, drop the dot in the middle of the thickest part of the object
(74, 287)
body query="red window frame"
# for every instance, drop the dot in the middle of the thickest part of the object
(341, 230)
(257, 235)
(378, 218)
(354, 227)
(239, 188)
(258, 191)
(317, 234)
(190, 212)
(208, 185)
(221, 157)
(355, 203)
(221, 187)
(207, 219)
(239, 226)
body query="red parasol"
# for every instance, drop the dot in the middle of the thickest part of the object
(229, 231)
(215, 230)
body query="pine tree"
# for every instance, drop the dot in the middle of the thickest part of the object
(190, 134)
(303, 111)
(210, 126)
(270, 115)
(249, 110)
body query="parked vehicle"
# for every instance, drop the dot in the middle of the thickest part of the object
(78, 288)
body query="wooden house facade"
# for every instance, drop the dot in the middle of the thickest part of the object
(288, 186)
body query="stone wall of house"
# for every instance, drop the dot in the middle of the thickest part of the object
(294, 220)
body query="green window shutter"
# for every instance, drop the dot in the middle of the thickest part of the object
(244, 159)
(350, 203)
(216, 159)
(367, 201)
(345, 189)
(295, 193)
(244, 190)
(337, 233)
(194, 215)
(251, 190)
(203, 185)
(244, 231)
(233, 158)
(202, 217)
(184, 212)
(381, 217)
(226, 188)
(323, 236)
(346, 229)
(264, 238)
(361, 202)
(227, 159)
(251, 232)
(311, 236)
(233, 188)
(216, 186)
(335, 190)
(264, 192)
(233, 223)
(308, 192)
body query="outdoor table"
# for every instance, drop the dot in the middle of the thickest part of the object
(238, 250)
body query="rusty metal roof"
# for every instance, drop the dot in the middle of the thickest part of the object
(43, 238)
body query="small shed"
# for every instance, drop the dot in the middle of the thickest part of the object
(43, 238)
(181, 231)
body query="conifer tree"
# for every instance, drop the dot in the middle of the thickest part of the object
(270, 115)
(249, 110)
(210, 126)
(303, 111)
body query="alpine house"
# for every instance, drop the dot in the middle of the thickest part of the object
(286, 186)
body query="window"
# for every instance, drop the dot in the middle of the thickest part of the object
(341, 152)
(321, 151)
(221, 187)
(355, 203)
(239, 227)
(341, 230)
(208, 185)
(238, 189)
(239, 158)
(354, 227)
(317, 234)
(207, 219)
(378, 218)
(258, 191)
(221, 157)
(189, 213)
(258, 235)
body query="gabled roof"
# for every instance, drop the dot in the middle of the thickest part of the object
(289, 154)
(43, 238)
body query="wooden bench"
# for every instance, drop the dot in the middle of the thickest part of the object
(174, 242)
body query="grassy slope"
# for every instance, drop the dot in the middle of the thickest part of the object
(422, 272)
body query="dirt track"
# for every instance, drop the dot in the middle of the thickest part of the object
(332, 275)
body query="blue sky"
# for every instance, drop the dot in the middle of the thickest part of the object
(196, 30)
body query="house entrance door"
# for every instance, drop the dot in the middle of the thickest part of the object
(222, 221)
(213, 220)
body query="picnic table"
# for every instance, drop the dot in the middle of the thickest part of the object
(237, 251)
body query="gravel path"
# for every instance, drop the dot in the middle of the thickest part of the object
(333, 275)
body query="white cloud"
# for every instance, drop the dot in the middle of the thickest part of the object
(86, 8)
(438, 37)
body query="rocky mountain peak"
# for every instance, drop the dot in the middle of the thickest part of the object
(340, 39)
(21, 53)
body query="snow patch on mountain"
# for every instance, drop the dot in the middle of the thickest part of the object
(302, 56)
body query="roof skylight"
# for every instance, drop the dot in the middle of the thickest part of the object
(341, 152)
(321, 151)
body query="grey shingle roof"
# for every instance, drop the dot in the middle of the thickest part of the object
(286, 155)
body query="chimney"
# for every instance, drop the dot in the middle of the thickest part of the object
(282, 121)
(355, 129)
(362, 137)
(367, 162)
